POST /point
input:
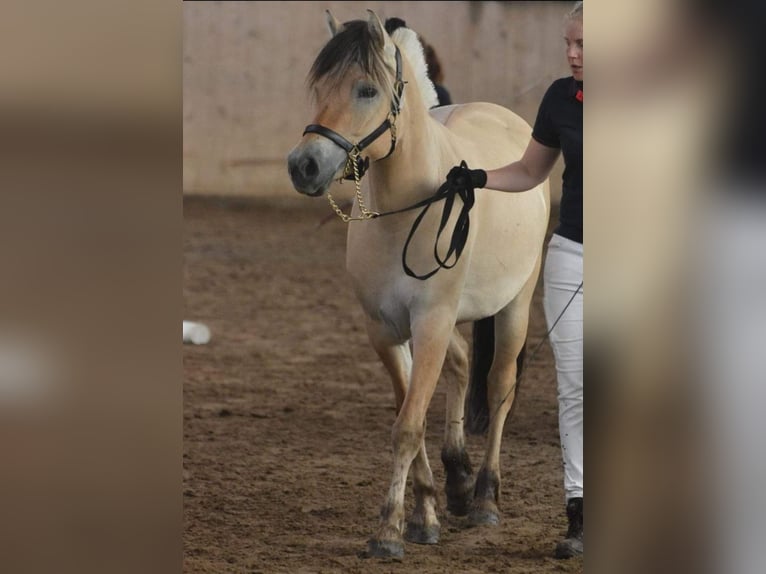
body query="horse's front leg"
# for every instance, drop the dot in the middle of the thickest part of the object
(408, 438)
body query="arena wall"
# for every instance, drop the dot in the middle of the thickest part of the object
(245, 64)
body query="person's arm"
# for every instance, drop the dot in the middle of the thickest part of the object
(534, 166)
(531, 170)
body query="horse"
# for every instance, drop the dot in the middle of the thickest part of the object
(372, 88)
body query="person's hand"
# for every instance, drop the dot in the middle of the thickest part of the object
(463, 178)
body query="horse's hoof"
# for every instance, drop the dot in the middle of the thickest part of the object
(460, 505)
(385, 549)
(420, 534)
(483, 517)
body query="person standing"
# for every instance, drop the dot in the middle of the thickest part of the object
(558, 130)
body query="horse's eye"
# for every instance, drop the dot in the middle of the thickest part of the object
(367, 92)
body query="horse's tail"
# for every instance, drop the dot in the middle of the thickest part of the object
(477, 404)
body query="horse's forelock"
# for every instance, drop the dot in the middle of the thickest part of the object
(353, 46)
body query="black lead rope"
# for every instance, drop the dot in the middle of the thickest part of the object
(447, 192)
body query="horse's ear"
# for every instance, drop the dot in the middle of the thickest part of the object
(376, 28)
(333, 24)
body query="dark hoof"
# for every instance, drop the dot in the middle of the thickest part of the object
(419, 534)
(385, 549)
(460, 505)
(460, 496)
(569, 548)
(483, 517)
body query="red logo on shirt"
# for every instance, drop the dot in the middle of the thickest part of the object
(578, 95)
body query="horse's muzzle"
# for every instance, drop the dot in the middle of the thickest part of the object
(312, 167)
(303, 173)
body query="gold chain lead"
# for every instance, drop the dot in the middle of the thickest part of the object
(353, 156)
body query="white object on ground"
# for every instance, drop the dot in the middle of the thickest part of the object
(197, 333)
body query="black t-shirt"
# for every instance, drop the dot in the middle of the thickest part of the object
(559, 125)
(444, 97)
(741, 126)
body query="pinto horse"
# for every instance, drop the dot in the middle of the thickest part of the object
(373, 117)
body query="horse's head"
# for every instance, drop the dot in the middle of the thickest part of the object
(356, 86)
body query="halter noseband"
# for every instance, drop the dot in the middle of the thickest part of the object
(355, 166)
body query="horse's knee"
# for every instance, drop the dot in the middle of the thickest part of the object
(458, 364)
(407, 437)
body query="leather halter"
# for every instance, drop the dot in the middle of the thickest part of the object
(354, 150)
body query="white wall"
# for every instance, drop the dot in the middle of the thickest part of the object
(245, 64)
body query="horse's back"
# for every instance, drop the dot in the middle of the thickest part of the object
(488, 135)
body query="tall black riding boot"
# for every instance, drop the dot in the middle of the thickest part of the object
(572, 545)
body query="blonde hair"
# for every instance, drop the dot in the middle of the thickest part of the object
(576, 12)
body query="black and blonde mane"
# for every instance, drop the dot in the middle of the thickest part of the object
(355, 47)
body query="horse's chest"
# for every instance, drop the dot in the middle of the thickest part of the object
(386, 294)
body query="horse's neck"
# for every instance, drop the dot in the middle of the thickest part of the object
(414, 170)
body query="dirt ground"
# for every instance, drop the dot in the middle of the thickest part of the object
(288, 412)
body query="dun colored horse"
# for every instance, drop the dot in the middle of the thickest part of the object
(373, 114)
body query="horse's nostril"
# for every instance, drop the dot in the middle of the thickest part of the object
(310, 168)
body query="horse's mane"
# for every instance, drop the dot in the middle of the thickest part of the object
(410, 45)
(354, 45)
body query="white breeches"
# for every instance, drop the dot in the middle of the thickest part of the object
(562, 277)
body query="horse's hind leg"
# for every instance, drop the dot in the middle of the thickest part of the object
(423, 526)
(457, 464)
(510, 335)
